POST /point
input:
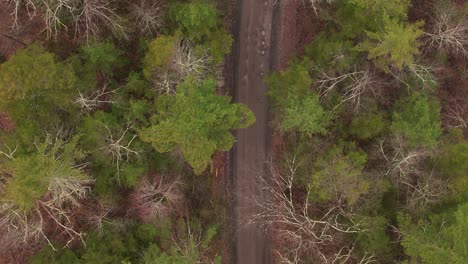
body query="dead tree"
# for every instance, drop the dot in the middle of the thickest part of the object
(158, 197)
(186, 61)
(52, 211)
(448, 28)
(306, 231)
(88, 103)
(355, 84)
(94, 16)
(407, 169)
(119, 148)
(88, 17)
(425, 191)
(18, 5)
(403, 161)
(53, 12)
(456, 112)
(148, 16)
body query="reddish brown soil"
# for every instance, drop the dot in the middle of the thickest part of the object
(299, 26)
(28, 30)
(220, 163)
(6, 122)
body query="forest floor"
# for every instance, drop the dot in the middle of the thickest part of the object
(28, 30)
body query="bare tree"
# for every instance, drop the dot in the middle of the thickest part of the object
(355, 84)
(119, 148)
(156, 198)
(98, 216)
(425, 191)
(186, 61)
(18, 5)
(448, 28)
(88, 17)
(403, 161)
(407, 168)
(456, 112)
(189, 60)
(53, 12)
(53, 211)
(304, 230)
(148, 16)
(88, 103)
(94, 16)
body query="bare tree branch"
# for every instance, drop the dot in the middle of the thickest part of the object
(448, 29)
(302, 228)
(148, 16)
(356, 84)
(91, 102)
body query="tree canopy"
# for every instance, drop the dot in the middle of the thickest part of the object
(34, 75)
(196, 121)
(417, 119)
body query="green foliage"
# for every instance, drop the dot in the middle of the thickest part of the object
(196, 121)
(159, 54)
(49, 255)
(32, 174)
(374, 239)
(396, 45)
(298, 107)
(137, 86)
(95, 134)
(355, 16)
(100, 131)
(185, 243)
(441, 239)
(418, 120)
(337, 175)
(195, 19)
(385, 8)
(451, 163)
(195, 240)
(112, 247)
(304, 114)
(102, 56)
(130, 173)
(35, 76)
(218, 44)
(332, 54)
(367, 126)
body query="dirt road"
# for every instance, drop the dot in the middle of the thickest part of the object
(253, 61)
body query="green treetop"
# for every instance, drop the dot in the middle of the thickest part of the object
(160, 51)
(298, 107)
(35, 75)
(196, 121)
(338, 177)
(442, 239)
(34, 175)
(418, 120)
(355, 16)
(396, 45)
(196, 19)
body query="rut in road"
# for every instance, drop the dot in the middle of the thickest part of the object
(254, 51)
